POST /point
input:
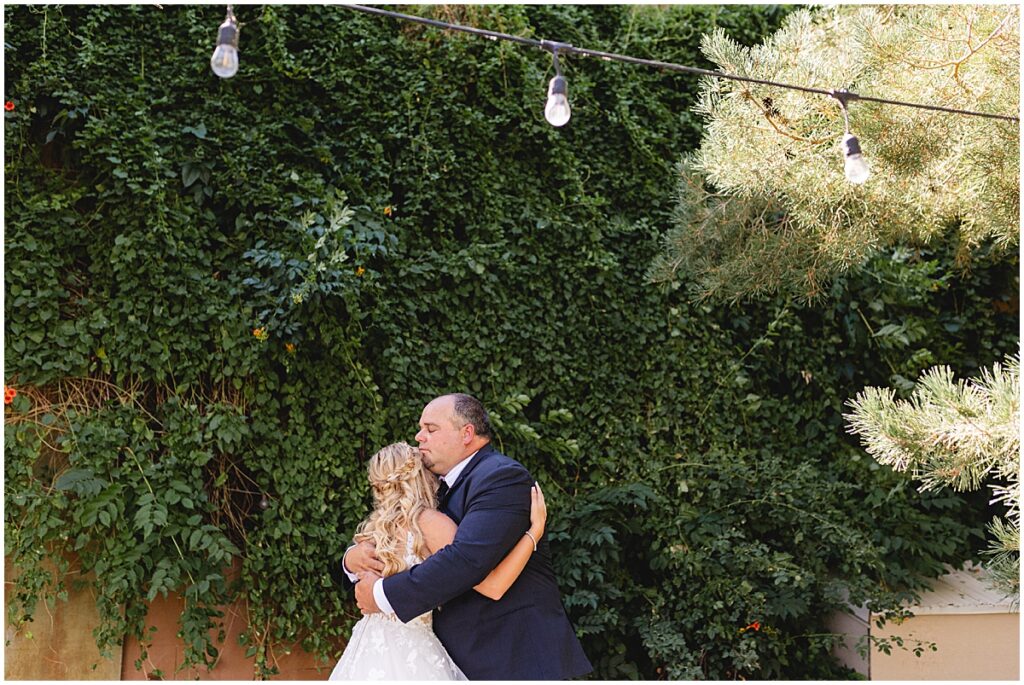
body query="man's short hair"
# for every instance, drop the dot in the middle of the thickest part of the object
(468, 409)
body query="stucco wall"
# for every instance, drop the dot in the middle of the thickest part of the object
(854, 627)
(970, 647)
(167, 651)
(58, 644)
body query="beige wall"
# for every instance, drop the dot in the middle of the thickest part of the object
(167, 651)
(970, 647)
(853, 627)
(58, 644)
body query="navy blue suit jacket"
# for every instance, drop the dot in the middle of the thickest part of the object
(525, 635)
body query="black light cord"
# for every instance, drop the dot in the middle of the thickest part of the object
(841, 95)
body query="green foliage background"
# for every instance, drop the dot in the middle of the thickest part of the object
(693, 456)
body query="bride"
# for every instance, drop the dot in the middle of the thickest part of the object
(406, 528)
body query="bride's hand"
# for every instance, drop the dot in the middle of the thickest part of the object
(538, 512)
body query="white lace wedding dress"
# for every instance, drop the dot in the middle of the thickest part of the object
(384, 648)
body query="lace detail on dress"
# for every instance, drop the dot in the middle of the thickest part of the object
(384, 648)
(411, 559)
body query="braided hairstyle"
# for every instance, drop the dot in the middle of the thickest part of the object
(402, 489)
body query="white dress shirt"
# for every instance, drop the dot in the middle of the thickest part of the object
(378, 587)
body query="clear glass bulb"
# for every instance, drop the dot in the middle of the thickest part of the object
(225, 60)
(557, 111)
(856, 167)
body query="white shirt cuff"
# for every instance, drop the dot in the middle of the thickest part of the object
(380, 598)
(351, 576)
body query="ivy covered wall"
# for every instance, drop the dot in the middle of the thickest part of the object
(223, 295)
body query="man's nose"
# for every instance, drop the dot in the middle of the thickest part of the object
(420, 437)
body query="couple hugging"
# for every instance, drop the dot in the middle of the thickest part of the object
(454, 577)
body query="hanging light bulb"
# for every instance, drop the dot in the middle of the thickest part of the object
(856, 168)
(225, 58)
(557, 110)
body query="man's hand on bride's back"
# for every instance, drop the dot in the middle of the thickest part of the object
(364, 593)
(362, 558)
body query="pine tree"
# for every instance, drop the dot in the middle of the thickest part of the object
(763, 204)
(957, 434)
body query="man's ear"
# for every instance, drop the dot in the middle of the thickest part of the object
(469, 435)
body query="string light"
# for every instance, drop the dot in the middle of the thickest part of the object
(225, 58)
(610, 56)
(557, 111)
(854, 165)
(856, 168)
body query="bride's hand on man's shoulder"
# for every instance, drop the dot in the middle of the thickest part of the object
(538, 511)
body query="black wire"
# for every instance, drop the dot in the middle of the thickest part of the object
(565, 47)
(446, 25)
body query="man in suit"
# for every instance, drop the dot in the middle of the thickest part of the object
(525, 635)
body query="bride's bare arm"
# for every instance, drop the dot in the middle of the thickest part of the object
(504, 574)
(439, 530)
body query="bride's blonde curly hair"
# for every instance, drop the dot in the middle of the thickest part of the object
(402, 489)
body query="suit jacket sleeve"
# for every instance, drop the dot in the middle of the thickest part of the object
(497, 515)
